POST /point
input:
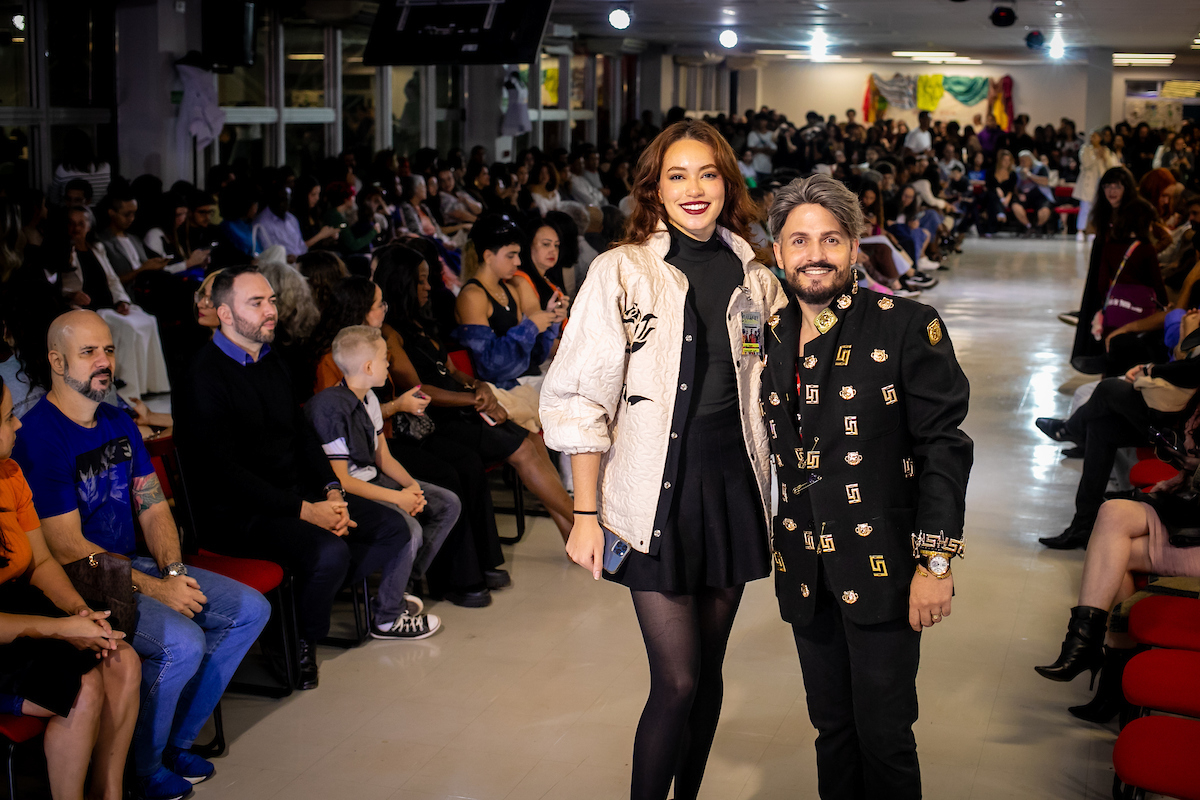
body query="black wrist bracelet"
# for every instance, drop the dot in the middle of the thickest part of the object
(587, 513)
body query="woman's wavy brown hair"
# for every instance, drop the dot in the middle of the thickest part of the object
(739, 210)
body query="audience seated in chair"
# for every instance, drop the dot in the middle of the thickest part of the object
(59, 659)
(271, 493)
(91, 478)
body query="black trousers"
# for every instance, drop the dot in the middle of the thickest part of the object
(862, 699)
(319, 561)
(1114, 416)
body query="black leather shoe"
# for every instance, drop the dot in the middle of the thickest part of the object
(1083, 648)
(1056, 429)
(497, 578)
(1073, 452)
(476, 598)
(1109, 699)
(308, 665)
(1075, 536)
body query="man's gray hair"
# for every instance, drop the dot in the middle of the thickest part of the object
(821, 190)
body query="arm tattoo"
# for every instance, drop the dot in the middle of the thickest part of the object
(146, 492)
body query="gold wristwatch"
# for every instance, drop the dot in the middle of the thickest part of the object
(935, 563)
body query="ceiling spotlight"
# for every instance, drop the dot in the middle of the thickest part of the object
(728, 39)
(729, 12)
(1057, 48)
(619, 18)
(1058, 15)
(1058, 2)
(18, 22)
(820, 43)
(1003, 16)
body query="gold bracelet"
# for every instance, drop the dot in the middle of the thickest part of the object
(924, 573)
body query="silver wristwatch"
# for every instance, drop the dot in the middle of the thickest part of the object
(176, 569)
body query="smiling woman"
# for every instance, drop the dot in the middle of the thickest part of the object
(664, 346)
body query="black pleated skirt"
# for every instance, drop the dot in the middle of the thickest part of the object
(43, 671)
(715, 535)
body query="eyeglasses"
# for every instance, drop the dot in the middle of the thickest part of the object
(202, 300)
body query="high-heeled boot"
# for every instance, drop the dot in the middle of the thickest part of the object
(1109, 699)
(1083, 649)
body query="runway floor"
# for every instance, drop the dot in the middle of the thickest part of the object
(538, 695)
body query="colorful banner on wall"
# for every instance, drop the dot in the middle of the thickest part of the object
(925, 92)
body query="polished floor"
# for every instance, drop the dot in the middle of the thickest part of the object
(538, 696)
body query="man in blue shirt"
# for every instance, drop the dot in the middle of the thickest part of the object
(90, 475)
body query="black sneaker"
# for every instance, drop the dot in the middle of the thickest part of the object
(497, 578)
(421, 626)
(920, 284)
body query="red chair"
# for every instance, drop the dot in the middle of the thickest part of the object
(1158, 754)
(462, 360)
(1165, 621)
(1164, 680)
(15, 731)
(1063, 213)
(1150, 471)
(266, 577)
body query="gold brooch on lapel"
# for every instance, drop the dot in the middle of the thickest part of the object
(843, 302)
(773, 320)
(886, 302)
(934, 329)
(851, 424)
(827, 544)
(810, 362)
(889, 394)
(825, 320)
(908, 468)
(854, 458)
(779, 562)
(843, 356)
(789, 525)
(878, 566)
(774, 398)
(814, 460)
(879, 356)
(808, 541)
(849, 597)
(804, 590)
(863, 529)
(853, 495)
(847, 393)
(812, 394)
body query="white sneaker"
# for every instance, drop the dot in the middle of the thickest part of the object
(1079, 236)
(926, 264)
(421, 626)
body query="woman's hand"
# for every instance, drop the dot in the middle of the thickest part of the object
(413, 401)
(199, 256)
(543, 319)
(411, 499)
(88, 631)
(586, 544)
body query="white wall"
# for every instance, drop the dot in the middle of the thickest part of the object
(1045, 93)
(1122, 74)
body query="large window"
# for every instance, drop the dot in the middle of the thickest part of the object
(449, 102)
(81, 63)
(358, 96)
(304, 147)
(14, 55)
(247, 86)
(303, 66)
(406, 110)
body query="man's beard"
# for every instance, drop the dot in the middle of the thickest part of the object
(816, 296)
(246, 328)
(85, 387)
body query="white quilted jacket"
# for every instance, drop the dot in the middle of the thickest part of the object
(625, 340)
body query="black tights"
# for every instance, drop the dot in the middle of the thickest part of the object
(685, 638)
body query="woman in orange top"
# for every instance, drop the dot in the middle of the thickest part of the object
(58, 658)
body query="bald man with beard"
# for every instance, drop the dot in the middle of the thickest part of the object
(91, 476)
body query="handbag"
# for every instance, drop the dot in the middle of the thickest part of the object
(1161, 395)
(414, 426)
(1123, 303)
(105, 582)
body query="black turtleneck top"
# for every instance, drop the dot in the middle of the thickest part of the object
(714, 273)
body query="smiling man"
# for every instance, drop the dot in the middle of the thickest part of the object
(864, 399)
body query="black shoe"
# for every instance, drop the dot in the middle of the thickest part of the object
(497, 578)
(1109, 699)
(474, 598)
(1056, 429)
(308, 665)
(1073, 452)
(1069, 317)
(1075, 536)
(1083, 649)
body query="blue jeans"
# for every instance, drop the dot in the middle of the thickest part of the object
(426, 535)
(187, 663)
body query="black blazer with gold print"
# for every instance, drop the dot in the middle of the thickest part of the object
(868, 451)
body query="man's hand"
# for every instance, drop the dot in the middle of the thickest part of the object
(928, 600)
(332, 514)
(485, 401)
(198, 257)
(122, 308)
(151, 264)
(179, 592)
(81, 299)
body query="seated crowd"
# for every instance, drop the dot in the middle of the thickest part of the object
(349, 353)
(1137, 328)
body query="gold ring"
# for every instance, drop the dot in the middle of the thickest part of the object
(936, 617)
